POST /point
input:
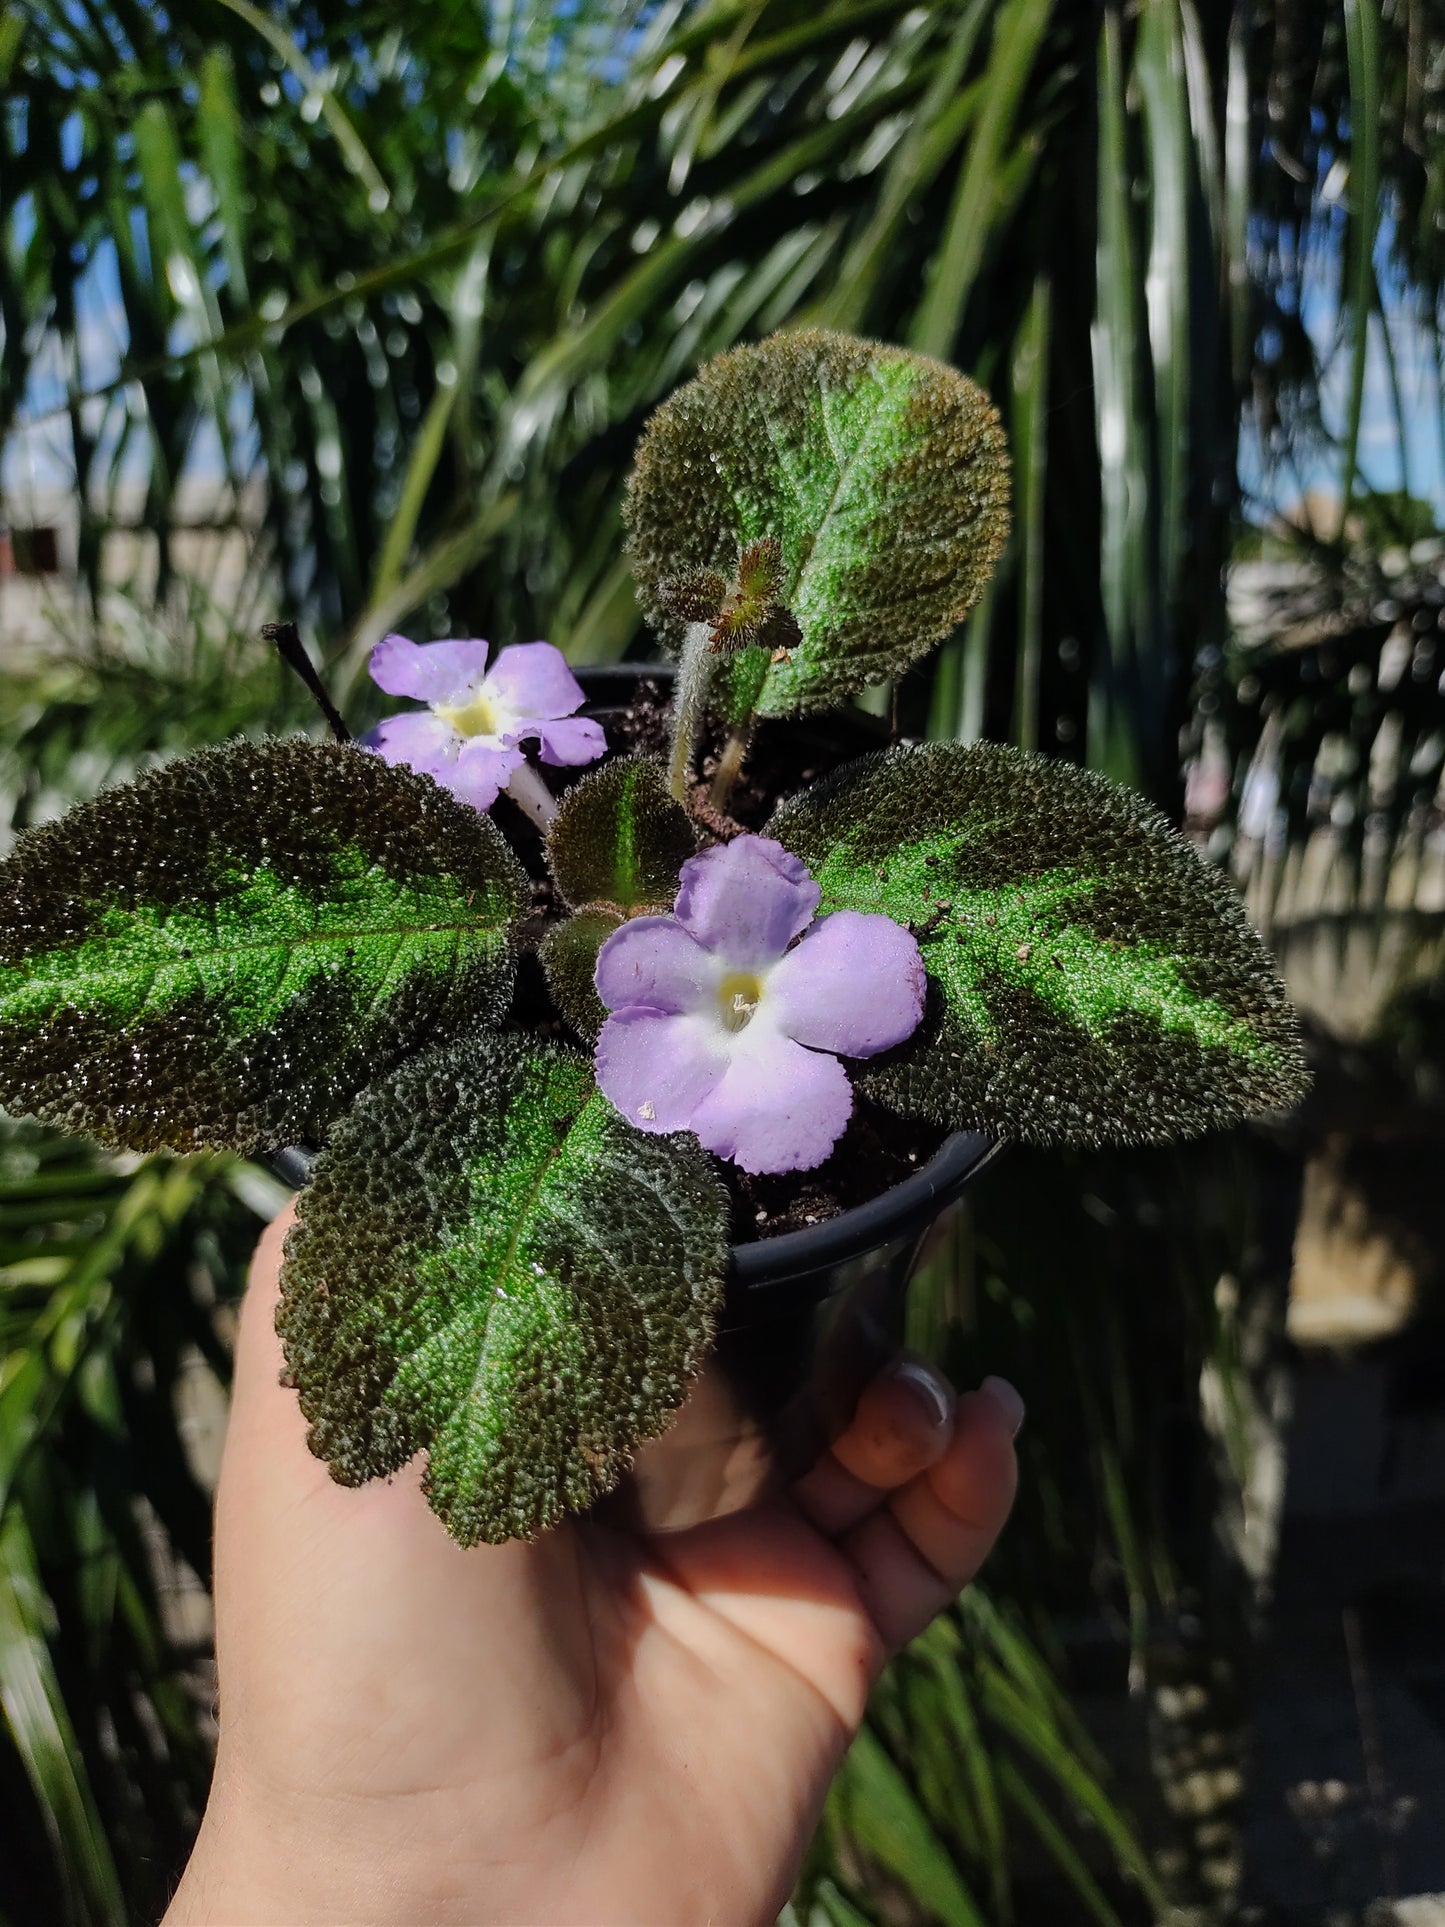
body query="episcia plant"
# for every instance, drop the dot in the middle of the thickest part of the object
(545, 1027)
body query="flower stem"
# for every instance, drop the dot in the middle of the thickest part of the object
(530, 793)
(689, 704)
(288, 644)
(730, 763)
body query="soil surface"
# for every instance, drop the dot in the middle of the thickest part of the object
(877, 1151)
(641, 728)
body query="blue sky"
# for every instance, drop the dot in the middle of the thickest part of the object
(1388, 459)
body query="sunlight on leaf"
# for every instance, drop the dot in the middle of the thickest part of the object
(492, 1265)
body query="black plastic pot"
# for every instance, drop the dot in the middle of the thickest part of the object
(808, 1317)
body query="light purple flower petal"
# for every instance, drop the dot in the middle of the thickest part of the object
(568, 739)
(480, 772)
(746, 899)
(654, 962)
(719, 1028)
(432, 672)
(854, 984)
(475, 772)
(419, 739)
(778, 1108)
(532, 679)
(657, 1069)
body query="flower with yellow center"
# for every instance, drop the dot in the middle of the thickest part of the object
(469, 736)
(729, 1017)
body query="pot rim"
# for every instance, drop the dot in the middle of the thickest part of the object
(610, 673)
(909, 1205)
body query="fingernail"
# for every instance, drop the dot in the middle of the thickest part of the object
(931, 1387)
(1007, 1400)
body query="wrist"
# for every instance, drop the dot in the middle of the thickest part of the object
(277, 1858)
(259, 1863)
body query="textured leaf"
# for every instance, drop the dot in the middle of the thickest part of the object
(1090, 979)
(227, 950)
(883, 476)
(619, 839)
(569, 958)
(492, 1265)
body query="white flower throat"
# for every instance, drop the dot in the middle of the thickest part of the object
(739, 995)
(477, 716)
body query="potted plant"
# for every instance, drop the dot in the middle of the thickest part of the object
(582, 1033)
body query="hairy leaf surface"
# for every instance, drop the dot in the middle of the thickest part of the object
(569, 958)
(491, 1265)
(619, 839)
(1091, 980)
(225, 951)
(882, 475)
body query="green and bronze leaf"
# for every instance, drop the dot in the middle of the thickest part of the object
(491, 1266)
(1091, 980)
(882, 478)
(619, 839)
(568, 955)
(615, 848)
(225, 951)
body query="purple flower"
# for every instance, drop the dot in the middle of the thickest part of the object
(720, 1028)
(468, 736)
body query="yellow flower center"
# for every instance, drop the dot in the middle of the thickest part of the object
(477, 717)
(739, 996)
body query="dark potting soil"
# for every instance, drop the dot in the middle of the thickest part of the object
(878, 1149)
(641, 728)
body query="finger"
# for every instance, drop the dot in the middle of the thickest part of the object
(903, 1424)
(917, 1553)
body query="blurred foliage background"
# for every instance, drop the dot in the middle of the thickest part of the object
(351, 314)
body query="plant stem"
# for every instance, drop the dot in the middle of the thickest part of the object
(286, 639)
(688, 705)
(530, 793)
(730, 763)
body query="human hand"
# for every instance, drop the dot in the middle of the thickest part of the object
(593, 1728)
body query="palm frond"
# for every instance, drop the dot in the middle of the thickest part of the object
(113, 1273)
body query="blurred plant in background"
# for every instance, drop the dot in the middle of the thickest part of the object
(434, 275)
(111, 1274)
(381, 301)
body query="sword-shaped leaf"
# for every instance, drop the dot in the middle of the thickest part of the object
(226, 951)
(493, 1266)
(882, 476)
(1091, 980)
